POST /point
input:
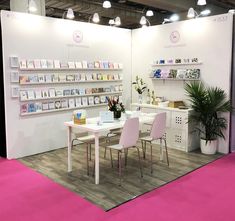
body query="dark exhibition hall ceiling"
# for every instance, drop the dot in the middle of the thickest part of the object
(131, 11)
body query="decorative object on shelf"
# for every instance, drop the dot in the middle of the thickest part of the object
(148, 99)
(208, 103)
(79, 117)
(140, 87)
(115, 106)
(153, 98)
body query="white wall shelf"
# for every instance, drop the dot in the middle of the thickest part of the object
(179, 64)
(70, 69)
(62, 109)
(174, 79)
(71, 96)
(68, 82)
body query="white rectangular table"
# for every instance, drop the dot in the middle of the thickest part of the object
(92, 127)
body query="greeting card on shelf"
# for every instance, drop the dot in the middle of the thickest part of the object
(78, 102)
(104, 77)
(84, 101)
(89, 77)
(41, 78)
(91, 100)
(33, 78)
(77, 77)
(99, 77)
(55, 77)
(57, 104)
(62, 77)
(57, 64)
(64, 103)
(23, 108)
(38, 94)
(30, 64)
(23, 64)
(111, 66)
(120, 65)
(51, 92)
(23, 79)
(14, 62)
(45, 106)
(84, 64)
(73, 91)
(51, 105)
(102, 99)
(78, 64)
(71, 103)
(64, 65)
(90, 65)
(38, 107)
(115, 65)
(37, 63)
(97, 64)
(96, 100)
(116, 77)
(105, 64)
(44, 63)
(83, 77)
(67, 92)
(31, 94)
(50, 64)
(45, 93)
(48, 78)
(15, 77)
(110, 77)
(82, 91)
(69, 77)
(101, 64)
(59, 92)
(31, 107)
(71, 64)
(94, 76)
(23, 95)
(15, 91)
(88, 90)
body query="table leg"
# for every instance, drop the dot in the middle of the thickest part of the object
(161, 150)
(97, 176)
(69, 149)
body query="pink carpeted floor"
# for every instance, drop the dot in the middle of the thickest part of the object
(207, 194)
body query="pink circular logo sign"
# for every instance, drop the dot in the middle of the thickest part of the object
(175, 36)
(77, 36)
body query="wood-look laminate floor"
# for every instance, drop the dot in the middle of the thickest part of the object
(108, 193)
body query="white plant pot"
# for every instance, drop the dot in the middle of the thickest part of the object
(210, 147)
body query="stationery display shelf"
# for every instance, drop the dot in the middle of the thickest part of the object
(61, 109)
(177, 64)
(68, 82)
(70, 69)
(174, 79)
(72, 96)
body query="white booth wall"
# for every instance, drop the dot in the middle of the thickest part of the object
(36, 37)
(209, 39)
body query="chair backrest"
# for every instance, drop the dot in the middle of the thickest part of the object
(130, 133)
(159, 126)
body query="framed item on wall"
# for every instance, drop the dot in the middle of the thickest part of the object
(14, 62)
(15, 77)
(14, 91)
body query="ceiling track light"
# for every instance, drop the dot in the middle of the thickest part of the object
(149, 13)
(117, 21)
(70, 14)
(144, 21)
(107, 4)
(32, 6)
(193, 14)
(201, 2)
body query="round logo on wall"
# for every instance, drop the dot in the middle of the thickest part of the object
(175, 36)
(78, 36)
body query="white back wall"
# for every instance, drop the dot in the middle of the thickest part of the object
(35, 37)
(208, 39)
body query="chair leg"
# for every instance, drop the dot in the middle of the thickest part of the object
(161, 151)
(87, 158)
(126, 154)
(166, 153)
(90, 151)
(111, 157)
(142, 145)
(151, 157)
(140, 165)
(120, 167)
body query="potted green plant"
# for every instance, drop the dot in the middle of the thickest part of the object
(115, 106)
(140, 87)
(208, 103)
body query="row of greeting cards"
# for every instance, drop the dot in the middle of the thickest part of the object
(178, 74)
(32, 94)
(70, 103)
(176, 61)
(57, 64)
(50, 78)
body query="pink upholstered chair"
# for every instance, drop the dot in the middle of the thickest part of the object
(128, 139)
(157, 133)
